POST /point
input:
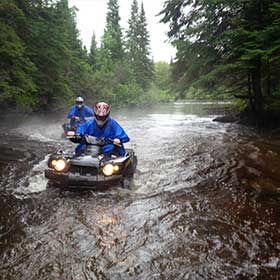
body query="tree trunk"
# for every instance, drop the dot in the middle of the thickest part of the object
(251, 99)
(268, 82)
(257, 87)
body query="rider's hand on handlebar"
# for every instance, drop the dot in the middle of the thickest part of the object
(117, 141)
(75, 118)
(71, 133)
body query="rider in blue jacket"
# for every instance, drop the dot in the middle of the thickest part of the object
(104, 126)
(78, 113)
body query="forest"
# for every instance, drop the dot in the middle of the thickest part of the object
(44, 64)
(228, 49)
(224, 50)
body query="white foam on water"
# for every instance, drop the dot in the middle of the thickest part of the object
(34, 181)
(40, 131)
(37, 183)
(39, 137)
(37, 180)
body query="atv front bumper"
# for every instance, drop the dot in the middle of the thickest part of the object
(78, 179)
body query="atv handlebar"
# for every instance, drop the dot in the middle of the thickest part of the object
(86, 118)
(92, 140)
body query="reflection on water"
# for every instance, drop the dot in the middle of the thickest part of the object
(203, 204)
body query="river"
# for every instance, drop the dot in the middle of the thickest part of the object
(204, 202)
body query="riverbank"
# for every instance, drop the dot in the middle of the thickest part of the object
(268, 120)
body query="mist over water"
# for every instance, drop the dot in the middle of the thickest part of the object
(203, 204)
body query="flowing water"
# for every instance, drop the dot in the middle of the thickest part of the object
(204, 203)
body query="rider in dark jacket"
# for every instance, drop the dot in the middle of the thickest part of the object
(106, 127)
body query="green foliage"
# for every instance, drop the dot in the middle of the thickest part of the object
(162, 78)
(115, 86)
(145, 65)
(161, 85)
(197, 93)
(123, 72)
(132, 33)
(42, 59)
(16, 84)
(44, 65)
(138, 46)
(93, 55)
(112, 38)
(226, 46)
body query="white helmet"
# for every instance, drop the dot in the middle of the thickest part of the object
(79, 102)
(79, 99)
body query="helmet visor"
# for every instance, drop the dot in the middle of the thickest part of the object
(101, 118)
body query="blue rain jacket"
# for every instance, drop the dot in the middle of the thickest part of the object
(110, 130)
(84, 112)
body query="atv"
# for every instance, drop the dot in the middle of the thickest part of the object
(90, 168)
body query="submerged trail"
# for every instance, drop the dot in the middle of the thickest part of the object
(203, 204)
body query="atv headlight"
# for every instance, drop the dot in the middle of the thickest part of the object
(108, 169)
(53, 163)
(116, 168)
(60, 165)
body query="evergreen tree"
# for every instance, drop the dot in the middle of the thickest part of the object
(92, 58)
(42, 59)
(138, 48)
(145, 63)
(44, 65)
(60, 58)
(230, 45)
(132, 34)
(50, 53)
(112, 38)
(16, 69)
(78, 69)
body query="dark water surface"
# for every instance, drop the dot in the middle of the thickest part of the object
(204, 203)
